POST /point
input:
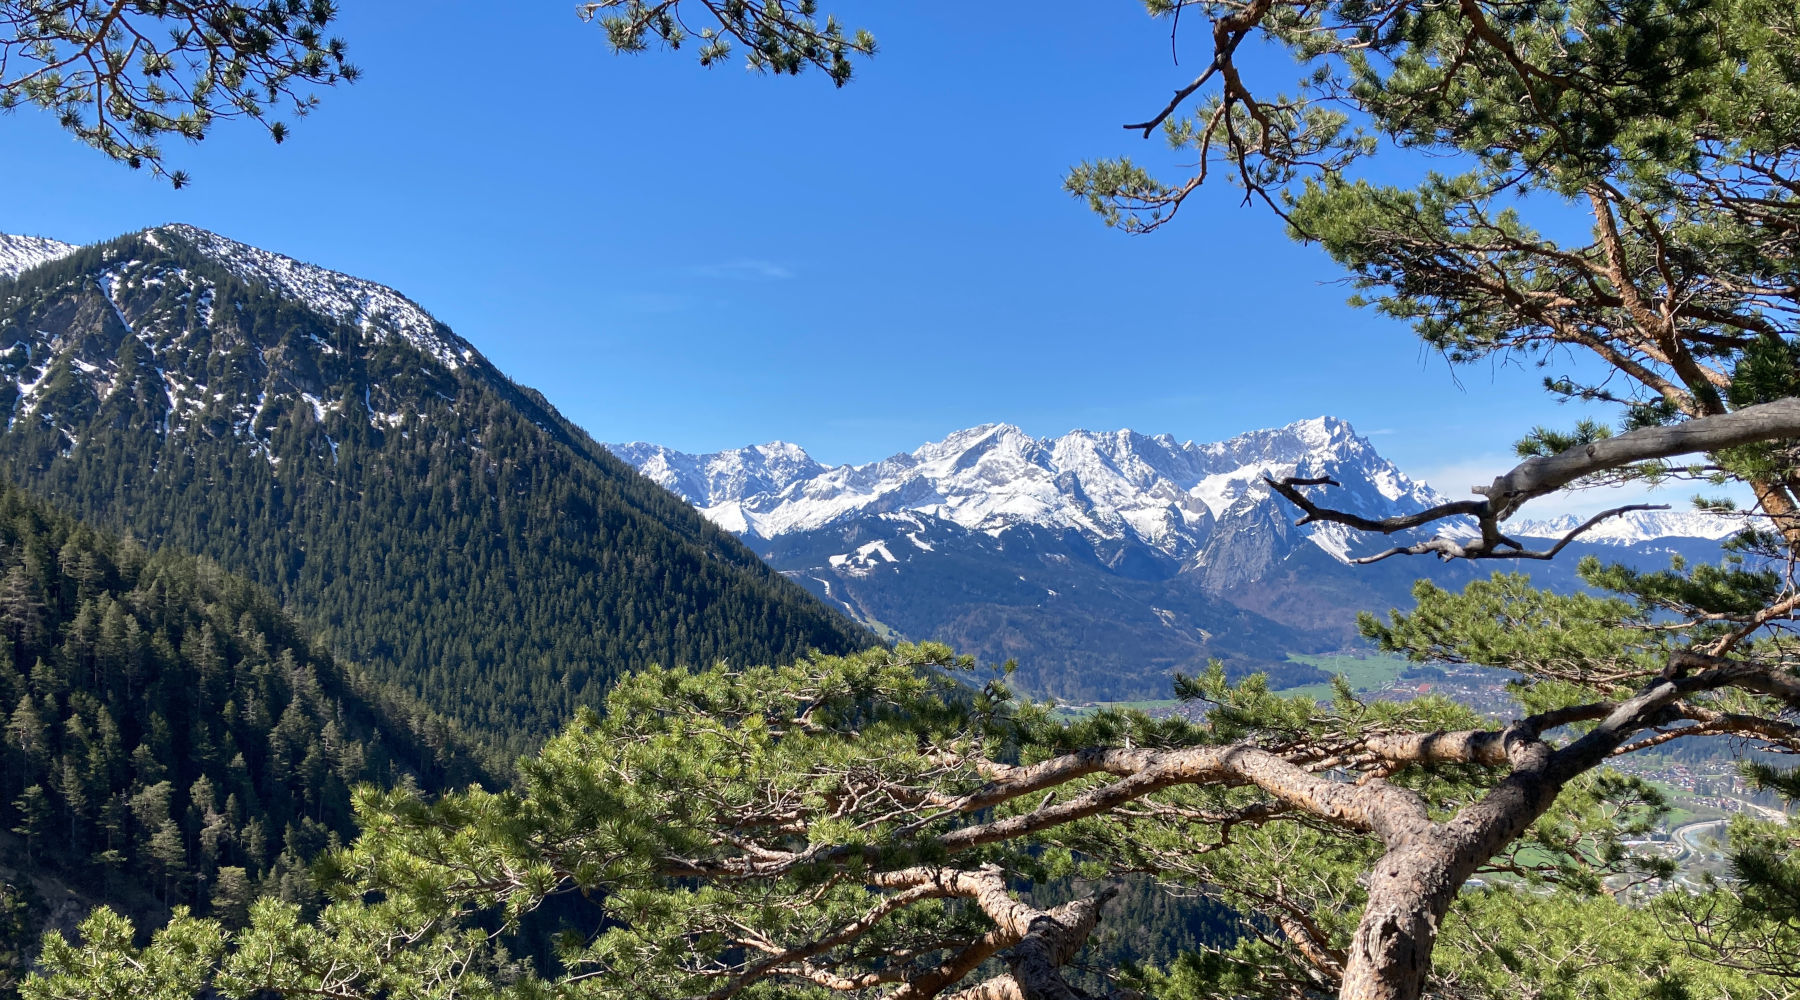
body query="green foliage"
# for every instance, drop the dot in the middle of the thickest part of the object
(1766, 371)
(1729, 587)
(18, 927)
(848, 767)
(1505, 622)
(1656, 118)
(780, 36)
(604, 809)
(1500, 944)
(1561, 946)
(1543, 441)
(121, 76)
(177, 962)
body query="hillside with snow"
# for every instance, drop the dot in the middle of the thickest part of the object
(19, 254)
(376, 309)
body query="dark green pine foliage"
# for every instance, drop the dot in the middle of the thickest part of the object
(169, 736)
(432, 520)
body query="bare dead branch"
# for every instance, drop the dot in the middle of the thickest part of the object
(1446, 548)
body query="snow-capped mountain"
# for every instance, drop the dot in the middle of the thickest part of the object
(1635, 527)
(1104, 561)
(160, 286)
(1117, 487)
(22, 253)
(759, 470)
(376, 309)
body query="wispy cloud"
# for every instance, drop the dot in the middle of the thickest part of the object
(746, 269)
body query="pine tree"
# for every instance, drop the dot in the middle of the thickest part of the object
(124, 771)
(122, 77)
(33, 811)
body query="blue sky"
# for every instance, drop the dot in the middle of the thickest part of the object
(708, 258)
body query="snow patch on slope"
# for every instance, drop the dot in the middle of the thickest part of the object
(376, 309)
(19, 254)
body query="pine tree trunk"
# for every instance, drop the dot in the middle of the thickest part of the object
(1410, 890)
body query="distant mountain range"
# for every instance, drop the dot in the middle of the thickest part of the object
(327, 437)
(1104, 561)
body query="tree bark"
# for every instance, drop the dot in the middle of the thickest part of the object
(1412, 886)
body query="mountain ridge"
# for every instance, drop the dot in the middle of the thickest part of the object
(19, 254)
(773, 489)
(324, 435)
(1111, 485)
(1106, 561)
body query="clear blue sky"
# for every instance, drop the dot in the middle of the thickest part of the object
(707, 258)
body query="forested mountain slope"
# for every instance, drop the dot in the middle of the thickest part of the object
(170, 734)
(326, 437)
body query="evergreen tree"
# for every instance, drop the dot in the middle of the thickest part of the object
(121, 75)
(33, 810)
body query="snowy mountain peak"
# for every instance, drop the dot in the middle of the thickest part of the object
(376, 309)
(19, 254)
(237, 337)
(1108, 486)
(1637, 526)
(758, 469)
(1322, 431)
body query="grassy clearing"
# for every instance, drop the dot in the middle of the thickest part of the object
(1085, 708)
(1365, 673)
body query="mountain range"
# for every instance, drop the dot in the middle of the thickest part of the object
(434, 522)
(476, 548)
(1104, 561)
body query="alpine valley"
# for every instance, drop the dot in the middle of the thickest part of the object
(1105, 562)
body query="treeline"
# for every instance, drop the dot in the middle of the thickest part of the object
(442, 527)
(171, 736)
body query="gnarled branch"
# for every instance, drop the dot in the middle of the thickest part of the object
(1536, 477)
